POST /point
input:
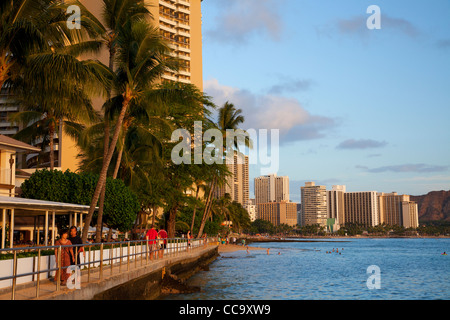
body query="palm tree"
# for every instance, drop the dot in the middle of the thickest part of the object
(141, 60)
(31, 27)
(229, 118)
(43, 123)
(115, 14)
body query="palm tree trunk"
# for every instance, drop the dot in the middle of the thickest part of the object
(109, 235)
(171, 221)
(102, 178)
(51, 132)
(154, 215)
(119, 157)
(207, 209)
(98, 233)
(195, 208)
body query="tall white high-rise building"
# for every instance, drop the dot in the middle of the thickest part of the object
(314, 204)
(335, 204)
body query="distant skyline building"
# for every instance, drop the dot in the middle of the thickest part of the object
(410, 214)
(237, 184)
(361, 208)
(368, 208)
(271, 188)
(278, 213)
(390, 207)
(314, 204)
(335, 204)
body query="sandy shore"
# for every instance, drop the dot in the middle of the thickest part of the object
(234, 247)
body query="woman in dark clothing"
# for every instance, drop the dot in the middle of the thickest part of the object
(76, 240)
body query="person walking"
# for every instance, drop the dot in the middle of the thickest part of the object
(163, 236)
(188, 240)
(151, 237)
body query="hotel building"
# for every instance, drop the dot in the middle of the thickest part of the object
(410, 214)
(237, 184)
(364, 208)
(271, 188)
(180, 23)
(314, 204)
(390, 207)
(335, 204)
(361, 208)
(278, 213)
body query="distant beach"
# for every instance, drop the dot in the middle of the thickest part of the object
(234, 247)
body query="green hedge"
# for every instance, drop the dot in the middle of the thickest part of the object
(121, 204)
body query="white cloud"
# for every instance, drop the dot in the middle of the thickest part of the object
(361, 144)
(357, 26)
(271, 112)
(239, 19)
(409, 167)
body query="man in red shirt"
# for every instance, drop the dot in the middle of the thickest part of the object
(151, 238)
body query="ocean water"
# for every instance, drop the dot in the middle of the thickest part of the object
(408, 269)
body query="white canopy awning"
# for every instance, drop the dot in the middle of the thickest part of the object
(33, 207)
(40, 205)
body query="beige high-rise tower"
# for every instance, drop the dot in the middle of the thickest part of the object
(282, 212)
(180, 22)
(390, 207)
(271, 188)
(237, 184)
(361, 208)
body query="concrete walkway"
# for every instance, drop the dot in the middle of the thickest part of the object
(94, 283)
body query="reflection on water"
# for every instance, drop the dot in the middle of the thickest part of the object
(410, 269)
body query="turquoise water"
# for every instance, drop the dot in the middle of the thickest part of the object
(410, 269)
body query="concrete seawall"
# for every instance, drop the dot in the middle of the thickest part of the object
(149, 285)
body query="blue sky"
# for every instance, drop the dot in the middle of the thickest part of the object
(369, 109)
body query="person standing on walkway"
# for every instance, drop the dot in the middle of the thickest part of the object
(65, 258)
(75, 239)
(188, 240)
